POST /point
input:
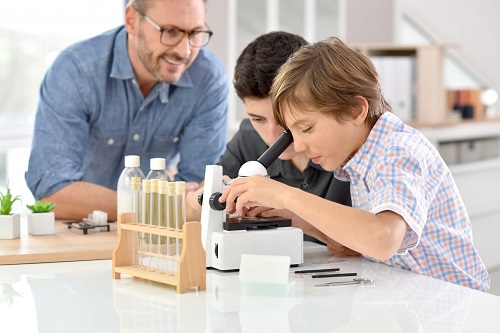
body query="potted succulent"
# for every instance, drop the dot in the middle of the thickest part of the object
(10, 224)
(41, 219)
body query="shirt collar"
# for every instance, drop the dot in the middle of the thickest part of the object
(357, 164)
(122, 67)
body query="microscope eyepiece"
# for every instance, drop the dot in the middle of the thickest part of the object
(276, 149)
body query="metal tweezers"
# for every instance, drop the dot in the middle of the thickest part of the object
(343, 283)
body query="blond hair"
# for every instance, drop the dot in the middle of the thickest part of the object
(326, 77)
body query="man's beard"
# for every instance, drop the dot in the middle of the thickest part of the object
(152, 63)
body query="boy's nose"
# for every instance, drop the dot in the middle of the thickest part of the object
(298, 145)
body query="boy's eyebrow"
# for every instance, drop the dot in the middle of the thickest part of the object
(298, 122)
(255, 115)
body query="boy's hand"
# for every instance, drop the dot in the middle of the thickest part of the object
(253, 191)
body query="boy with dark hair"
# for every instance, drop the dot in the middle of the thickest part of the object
(255, 70)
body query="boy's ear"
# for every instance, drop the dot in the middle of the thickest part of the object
(360, 111)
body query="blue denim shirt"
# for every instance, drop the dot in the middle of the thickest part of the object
(92, 113)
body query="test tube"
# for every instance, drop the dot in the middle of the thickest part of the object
(154, 207)
(171, 213)
(146, 201)
(146, 218)
(162, 221)
(153, 239)
(180, 202)
(135, 184)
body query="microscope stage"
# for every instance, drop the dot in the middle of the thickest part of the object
(251, 223)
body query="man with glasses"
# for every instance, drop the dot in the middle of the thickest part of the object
(148, 88)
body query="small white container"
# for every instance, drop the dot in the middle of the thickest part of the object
(10, 226)
(41, 223)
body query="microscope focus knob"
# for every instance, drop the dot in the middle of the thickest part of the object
(214, 202)
(200, 198)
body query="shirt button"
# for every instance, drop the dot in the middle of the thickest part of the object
(175, 140)
(136, 137)
(111, 141)
(134, 82)
(305, 185)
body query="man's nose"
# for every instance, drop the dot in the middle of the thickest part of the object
(183, 48)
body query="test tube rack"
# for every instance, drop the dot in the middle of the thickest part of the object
(191, 264)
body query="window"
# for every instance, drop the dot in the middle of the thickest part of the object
(32, 33)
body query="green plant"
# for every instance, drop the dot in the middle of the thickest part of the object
(41, 207)
(6, 202)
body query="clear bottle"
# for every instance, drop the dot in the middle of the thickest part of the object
(158, 170)
(124, 188)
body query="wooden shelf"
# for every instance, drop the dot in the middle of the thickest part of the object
(429, 91)
(190, 267)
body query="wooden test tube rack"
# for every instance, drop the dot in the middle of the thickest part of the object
(191, 265)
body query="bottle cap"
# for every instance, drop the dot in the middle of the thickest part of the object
(132, 161)
(157, 164)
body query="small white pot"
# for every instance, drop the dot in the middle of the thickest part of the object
(10, 226)
(41, 223)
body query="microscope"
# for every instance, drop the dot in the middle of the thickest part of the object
(226, 238)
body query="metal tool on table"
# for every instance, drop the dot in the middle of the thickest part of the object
(359, 281)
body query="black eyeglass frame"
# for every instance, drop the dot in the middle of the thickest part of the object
(184, 32)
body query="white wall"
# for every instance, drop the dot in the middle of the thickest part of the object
(472, 26)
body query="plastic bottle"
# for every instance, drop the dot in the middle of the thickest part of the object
(158, 168)
(124, 189)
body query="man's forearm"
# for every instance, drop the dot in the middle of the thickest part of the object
(79, 199)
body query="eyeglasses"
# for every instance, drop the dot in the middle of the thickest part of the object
(173, 36)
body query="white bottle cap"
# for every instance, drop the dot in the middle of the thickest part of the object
(157, 164)
(132, 161)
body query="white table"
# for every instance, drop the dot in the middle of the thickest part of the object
(82, 297)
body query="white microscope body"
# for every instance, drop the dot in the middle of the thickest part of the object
(225, 240)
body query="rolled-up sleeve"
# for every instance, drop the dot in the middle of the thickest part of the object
(397, 185)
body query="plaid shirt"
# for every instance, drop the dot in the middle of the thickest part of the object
(398, 169)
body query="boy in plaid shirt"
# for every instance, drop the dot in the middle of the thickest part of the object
(407, 211)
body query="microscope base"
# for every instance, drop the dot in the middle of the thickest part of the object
(228, 246)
